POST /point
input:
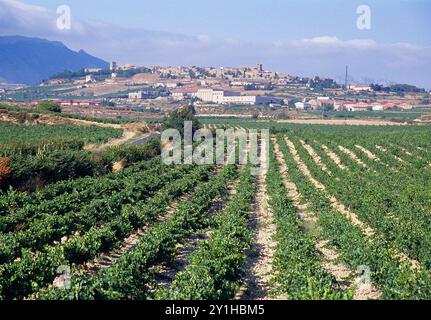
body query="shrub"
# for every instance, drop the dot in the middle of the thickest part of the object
(131, 154)
(49, 106)
(30, 172)
(5, 171)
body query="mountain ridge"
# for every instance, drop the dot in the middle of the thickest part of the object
(29, 60)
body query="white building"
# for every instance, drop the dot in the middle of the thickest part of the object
(210, 95)
(137, 95)
(356, 106)
(377, 107)
(360, 87)
(126, 67)
(178, 95)
(226, 97)
(182, 93)
(240, 83)
(93, 70)
(302, 106)
(170, 85)
(251, 100)
(113, 66)
(90, 79)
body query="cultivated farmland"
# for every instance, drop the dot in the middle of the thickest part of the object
(342, 213)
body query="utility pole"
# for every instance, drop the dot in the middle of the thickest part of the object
(347, 77)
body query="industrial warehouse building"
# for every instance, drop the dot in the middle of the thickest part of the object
(226, 97)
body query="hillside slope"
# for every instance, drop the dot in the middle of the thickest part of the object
(31, 60)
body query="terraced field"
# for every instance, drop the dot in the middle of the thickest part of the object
(341, 213)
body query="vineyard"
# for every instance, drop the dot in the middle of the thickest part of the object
(34, 156)
(16, 138)
(342, 213)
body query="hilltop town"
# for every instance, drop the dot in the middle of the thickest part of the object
(127, 91)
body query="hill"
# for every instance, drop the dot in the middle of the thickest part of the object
(31, 60)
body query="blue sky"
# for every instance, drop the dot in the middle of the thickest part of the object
(392, 20)
(302, 37)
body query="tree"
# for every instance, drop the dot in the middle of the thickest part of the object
(292, 102)
(376, 87)
(328, 107)
(282, 116)
(49, 106)
(177, 118)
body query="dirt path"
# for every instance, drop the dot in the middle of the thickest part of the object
(105, 260)
(55, 120)
(340, 207)
(335, 203)
(126, 137)
(352, 156)
(407, 152)
(316, 158)
(383, 149)
(369, 154)
(166, 274)
(292, 191)
(130, 131)
(342, 122)
(330, 257)
(334, 157)
(259, 264)
(374, 157)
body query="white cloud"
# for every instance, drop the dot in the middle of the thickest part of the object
(334, 41)
(323, 55)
